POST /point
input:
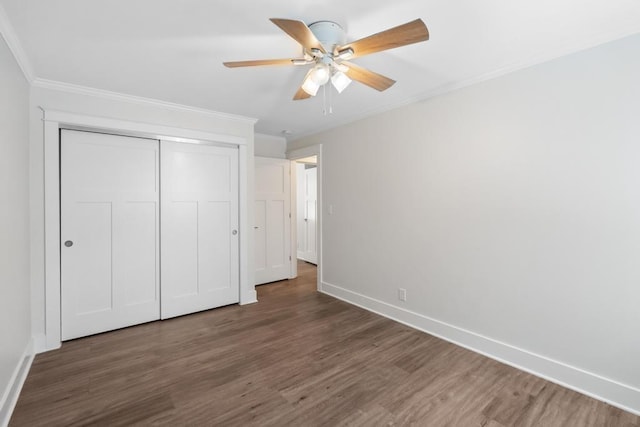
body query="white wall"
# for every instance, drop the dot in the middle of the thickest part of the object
(509, 210)
(270, 146)
(15, 313)
(101, 104)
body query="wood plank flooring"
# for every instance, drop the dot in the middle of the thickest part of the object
(297, 358)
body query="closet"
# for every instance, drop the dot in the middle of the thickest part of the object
(149, 230)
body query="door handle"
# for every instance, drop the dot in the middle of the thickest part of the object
(68, 243)
(234, 232)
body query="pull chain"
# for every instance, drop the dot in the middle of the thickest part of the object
(324, 99)
(330, 101)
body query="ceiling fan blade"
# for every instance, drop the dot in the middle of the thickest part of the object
(234, 64)
(402, 35)
(369, 78)
(301, 94)
(299, 31)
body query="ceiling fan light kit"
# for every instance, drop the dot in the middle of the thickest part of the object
(340, 81)
(309, 85)
(320, 75)
(324, 45)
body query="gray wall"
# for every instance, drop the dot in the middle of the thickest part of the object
(509, 209)
(270, 146)
(15, 312)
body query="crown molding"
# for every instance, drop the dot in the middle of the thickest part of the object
(533, 60)
(10, 37)
(133, 99)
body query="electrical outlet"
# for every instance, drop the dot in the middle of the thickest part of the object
(402, 294)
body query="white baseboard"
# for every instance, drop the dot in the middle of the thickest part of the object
(249, 297)
(11, 393)
(40, 343)
(615, 393)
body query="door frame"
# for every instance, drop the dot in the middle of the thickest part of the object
(293, 155)
(54, 121)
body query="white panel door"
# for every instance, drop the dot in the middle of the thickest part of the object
(301, 209)
(272, 226)
(199, 250)
(307, 217)
(109, 232)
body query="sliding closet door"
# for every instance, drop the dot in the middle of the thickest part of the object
(109, 232)
(200, 260)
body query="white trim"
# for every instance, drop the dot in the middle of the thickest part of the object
(293, 208)
(133, 99)
(13, 389)
(301, 153)
(607, 390)
(147, 130)
(52, 235)
(56, 120)
(248, 293)
(39, 343)
(9, 35)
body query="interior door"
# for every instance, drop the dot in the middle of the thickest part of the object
(272, 228)
(301, 209)
(109, 232)
(307, 213)
(200, 242)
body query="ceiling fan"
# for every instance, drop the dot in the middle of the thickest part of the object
(324, 46)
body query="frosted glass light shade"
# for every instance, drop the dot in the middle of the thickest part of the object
(320, 74)
(340, 81)
(310, 86)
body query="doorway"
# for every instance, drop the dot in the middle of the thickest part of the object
(306, 186)
(307, 209)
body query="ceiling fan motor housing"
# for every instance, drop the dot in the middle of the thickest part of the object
(329, 34)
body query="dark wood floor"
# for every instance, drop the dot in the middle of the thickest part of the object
(297, 358)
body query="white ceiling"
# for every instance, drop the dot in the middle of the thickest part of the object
(173, 50)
